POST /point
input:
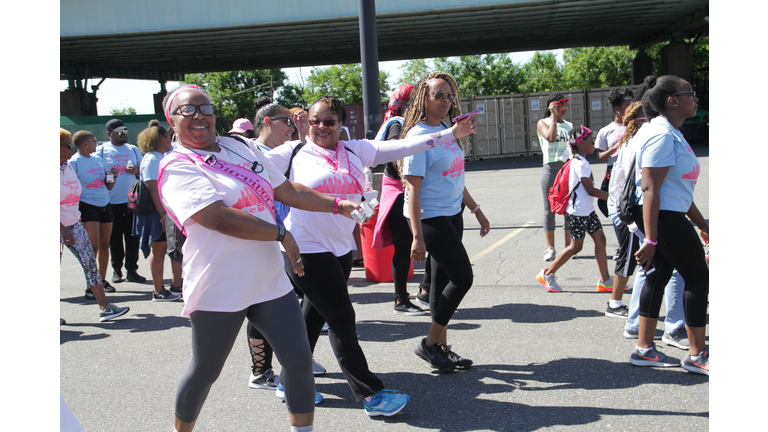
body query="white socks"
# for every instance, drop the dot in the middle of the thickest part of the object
(302, 428)
(615, 304)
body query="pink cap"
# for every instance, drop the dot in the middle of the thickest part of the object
(241, 125)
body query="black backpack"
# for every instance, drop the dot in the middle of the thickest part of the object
(627, 200)
(139, 200)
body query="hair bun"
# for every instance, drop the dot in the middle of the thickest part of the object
(262, 101)
(650, 81)
(154, 122)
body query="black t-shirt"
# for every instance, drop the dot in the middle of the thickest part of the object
(394, 131)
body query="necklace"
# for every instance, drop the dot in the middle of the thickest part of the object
(211, 159)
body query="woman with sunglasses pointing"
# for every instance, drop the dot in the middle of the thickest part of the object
(553, 131)
(335, 167)
(222, 195)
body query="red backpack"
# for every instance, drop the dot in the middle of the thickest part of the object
(560, 192)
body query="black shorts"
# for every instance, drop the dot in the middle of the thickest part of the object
(580, 225)
(89, 213)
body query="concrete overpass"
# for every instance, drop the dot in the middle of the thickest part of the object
(163, 40)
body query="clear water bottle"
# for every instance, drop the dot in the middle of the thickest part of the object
(368, 207)
(368, 179)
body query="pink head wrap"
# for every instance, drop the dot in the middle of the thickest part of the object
(176, 92)
(399, 96)
(581, 135)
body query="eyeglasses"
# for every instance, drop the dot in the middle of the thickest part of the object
(288, 120)
(122, 132)
(563, 101)
(67, 145)
(439, 95)
(188, 110)
(328, 123)
(692, 93)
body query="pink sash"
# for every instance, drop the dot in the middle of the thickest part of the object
(257, 184)
(390, 190)
(339, 162)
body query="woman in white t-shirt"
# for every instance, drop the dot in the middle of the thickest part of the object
(72, 232)
(607, 141)
(581, 214)
(435, 197)
(335, 167)
(667, 171)
(223, 195)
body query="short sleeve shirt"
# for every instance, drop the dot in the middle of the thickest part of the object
(69, 196)
(607, 137)
(119, 156)
(583, 203)
(442, 169)
(92, 173)
(661, 145)
(223, 273)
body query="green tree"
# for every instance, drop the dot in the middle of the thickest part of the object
(597, 67)
(542, 73)
(414, 70)
(122, 111)
(235, 92)
(343, 81)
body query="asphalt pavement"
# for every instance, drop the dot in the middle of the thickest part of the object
(542, 361)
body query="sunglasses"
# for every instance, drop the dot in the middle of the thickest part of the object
(328, 123)
(288, 120)
(188, 110)
(563, 101)
(439, 95)
(692, 93)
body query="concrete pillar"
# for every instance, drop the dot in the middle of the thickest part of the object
(77, 102)
(642, 66)
(158, 98)
(677, 59)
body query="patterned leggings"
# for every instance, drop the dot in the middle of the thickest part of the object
(83, 251)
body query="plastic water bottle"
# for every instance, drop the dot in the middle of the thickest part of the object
(368, 208)
(368, 178)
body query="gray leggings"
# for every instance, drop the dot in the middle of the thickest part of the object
(214, 334)
(548, 175)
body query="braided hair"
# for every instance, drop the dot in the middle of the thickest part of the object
(417, 108)
(632, 113)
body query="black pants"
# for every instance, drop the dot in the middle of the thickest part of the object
(324, 286)
(452, 275)
(122, 229)
(402, 239)
(679, 247)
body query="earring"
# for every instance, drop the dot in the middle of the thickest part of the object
(217, 138)
(675, 104)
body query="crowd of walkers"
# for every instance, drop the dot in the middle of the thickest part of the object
(259, 224)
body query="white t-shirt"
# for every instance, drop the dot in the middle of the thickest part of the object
(607, 137)
(323, 232)
(583, 203)
(223, 273)
(69, 196)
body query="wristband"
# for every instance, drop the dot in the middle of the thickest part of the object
(280, 233)
(650, 241)
(336, 206)
(475, 209)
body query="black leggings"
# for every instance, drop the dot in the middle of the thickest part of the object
(214, 334)
(324, 286)
(451, 270)
(679, 247)
(402, 239)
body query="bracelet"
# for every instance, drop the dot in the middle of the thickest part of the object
(336, 205)
(280, 233)
(647, 240)
(475, 209)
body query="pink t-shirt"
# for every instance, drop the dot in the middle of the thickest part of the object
(324, 232)
(223, 273)
(69, 196)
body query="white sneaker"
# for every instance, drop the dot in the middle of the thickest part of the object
(550, 254)
(317, 368)
(549, 281)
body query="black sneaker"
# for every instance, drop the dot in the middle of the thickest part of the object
(165, 295)
(108, 288)
(176, 289)
(461, 362)
(619, 312)
(408, 308)
(89, 294)
(423, 298)
(435, 356)
(117, 276)
(135, 277)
